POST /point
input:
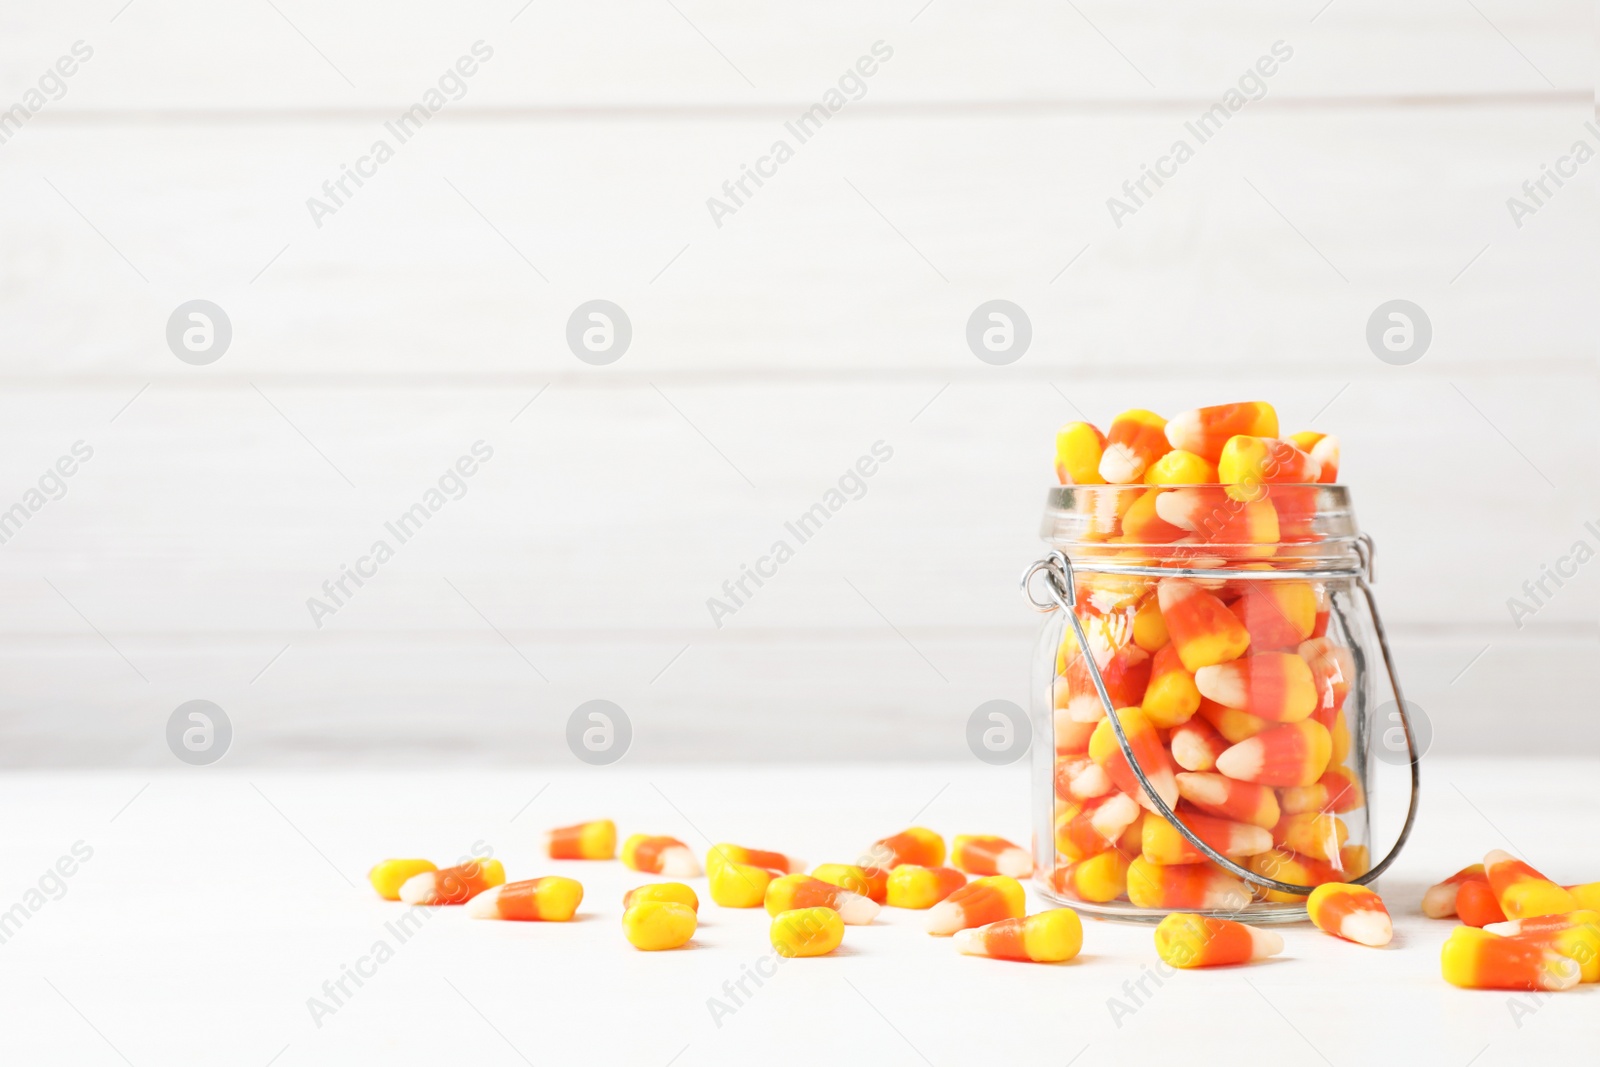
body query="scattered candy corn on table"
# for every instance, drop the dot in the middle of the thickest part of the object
(224, 916)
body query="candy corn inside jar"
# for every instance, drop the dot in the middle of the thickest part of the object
(1206, 687)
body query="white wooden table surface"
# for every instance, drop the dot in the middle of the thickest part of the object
(214, 904)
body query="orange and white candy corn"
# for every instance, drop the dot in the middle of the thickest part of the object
(387, 877)
(659, 925)
(1189, 941)
(1219, 795)
(1476, 959)
(586, 841)
(1126, 673)
(1212, 517)
(1352, 912)
(1294, 754)
(453, 885)
(1163, 844)
(870, 882)
(551, 900)
(1149, 628)
(795, 891)
(1322, 447)
(918, 846)
(665, 892)
(1336, 792)
(1136, 440)
(1204, 431)
(1249, 464)
(1147, 748)
(1094, 826)
(1049, 937)
(1081, 778)
(1575, 935)
(1313, 834)
(1097, 880)
(660, 855)
(1288, 867)
(920, 888)
(1196, 745)
(978, 903)
(1542, 923)
(990, 855)
(1171, 697)
(1279, 614)
(1233, 725)
(1276, 686)
(1522, 891)
(738, 885)
(1079, 446)
(1143, 524)
(807, 932)
(1476, 904)
(754, 857)
(1190, 887)
(1203, 630)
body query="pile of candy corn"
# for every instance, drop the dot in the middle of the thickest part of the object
(1542, 936)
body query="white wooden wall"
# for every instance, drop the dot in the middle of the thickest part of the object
(826, 314)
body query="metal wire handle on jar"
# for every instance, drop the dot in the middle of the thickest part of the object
(1061, 588)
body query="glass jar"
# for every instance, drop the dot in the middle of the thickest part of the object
(1213, 751)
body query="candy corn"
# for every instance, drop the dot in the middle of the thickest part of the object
(1475, 959)
(453, 885)
(1276, 686)
(990, 855)
(657, 925)
(1078, 449)
(552, 900)
(738, 885)
(1049, 937)
(585, 841)
(1171, 697)
(388, 876)
(1522, 891)
(1136, 440)
(1476, 904)
(1088, 829)
(807, 932)
(1080, 778)
(1322, 447)
(659, 855)
(1192, 941)
(1163, 844)
(1291, 755)
(1149, 628)
(920, 888)
(1098, 880)
(1575, 935)
(1313, 834)
(796, 891)
(666, 892)
(1191, 887)
(1204, 431)
(979, 903)
(754, 857)
(916, 845)
(1336, 792)
(1147, 749)
(1201, 627)
(870, 882)
(1196, 745)
(1586, 895)
(1220, 795)
(1352, 912)
(1249, 464)
(1179, 467)
(1277, 614)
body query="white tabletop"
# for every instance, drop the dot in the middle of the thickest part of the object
(215, 905)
